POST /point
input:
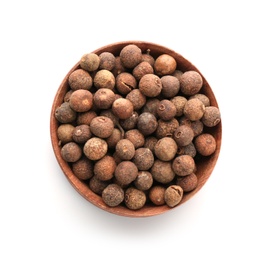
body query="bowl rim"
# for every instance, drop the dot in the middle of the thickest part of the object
(81, 187)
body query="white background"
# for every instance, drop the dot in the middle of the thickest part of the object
(235, 46)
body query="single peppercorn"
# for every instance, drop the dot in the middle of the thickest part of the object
(89, 61)
(82, 133)
(149, 58)
(134, 198)
(183, 135)
(165, 149)
(203, 98)
(122, 108)
(71, 152)
(95, 148)
(194, 109)
(113, 195)
(150, 85)
(189, 149)
(125, 149)
(157, 195)
(190, 82)
(113, 139)
(101, 126)
(137, 98)
(183, 165)
(65, 114)
(150, 142)
(130, 56)
(85, 118)
(141, 69)
(147, 123)
(118, 67)
(166, 128)
(104, 168)
(166, 110)
(135, 136)
(143, 181)
(125, 82)
(151, 106)
(162, 171)
(130, 122)
(81, 100)
(83, 168)
(188, 182)
(211, 116)
(179, 103)
(173, 195)
(143, 158)
(205, 144)
(164, 64)
(65, 133)
(103, 98)
(126, 172)
(97, 186)
(170, 86)
(80, 79)
(107, 61)
(104, 79)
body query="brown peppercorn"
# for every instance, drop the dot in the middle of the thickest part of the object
(118, 67)
(67, 95)
(190, 82)
(81, 100)
(149, 58)
(197, 127)
(203, 98)
(126, 172)
(137, 98)
(165, 149)
(83, 168)
(194, 109)
(188, 183)
(108, 113)
(164, 64)
(65, 133)
(141, 69)
(103, 98)
(177, 73)
(80, 79)
(144, 180)
(107, 61)
(173, 195)
(162, 171)
(205, 144)
(170, 86)
(143, 158)
(130, 122)
(183, 165)
(85, 117)
(95, 148)
(166, 110)
(97, 186)
(125, 149)
(151, 106)
(150, 142)
(147, 123)
(150, 85)
(211, 116)
(65, 114)
(71, 152)
(114, 138)
(122, 108)
(189, 149)
(113, 195)
(134, 198)
(125, 82)
(89, 62)
(104, 168)
(166, 128)
(101, 126)
(183, 135)
(179, 102)
(81, 134)
(135, 136)
(104, 79)
(130, 56)
(157, 195)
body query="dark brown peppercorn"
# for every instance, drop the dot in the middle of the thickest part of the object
(107, 61)
(81, 133)
(97, 186)
(189, 149)
(183, 135)
(131, 122)
(113, 195)
(136, 137)
(157, 195)
(194, 109)
(113, 139)
(81, 100)
(89, 62)
(122, 108)
(103, 98)
(188, 183)
(166, 110)
(71, 152)
(211, 116)
(183, 165)
(143, 158)
(65, 114)
(150, 85)
(83, 168)
(173, 195)
(150, 142)
(65, 133)
(118, 67)
(149, 58)
(190, 82)
(130, 56)
(80, 79)
(147, 123)
(95, 148)
(85, 117)
(197, 127)
(162, 171)
(104, 168)
(126, 172)
(179, 102)
(151, 106)
(141, 69)
(125, 149)
(203, 98)
(205, 144)
(134, 198)
(137, 98)
(104, 79)
(170, 86)
(101, 126)
(144, 180)
(165, 64)
(125, 82)
(166, 128)
(165, 149)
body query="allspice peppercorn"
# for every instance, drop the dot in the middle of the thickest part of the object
(126, 172)
(173, 195)
(104, 168)
(143, 158)
(65, 114)
(194, 109)
(144, 180)
(134, 198)
(135, 136)
(97, 186)
(190, 82)
(183, 165)
(141, 69)
(188, 182)
(170, 86)
(81, 134)
(147, 123)
(101, 126)
(83, 168)
(183, 135)
(205, 144)
(125, 149)
(89, 62)
(150, 85)
(65, 133)
(71, 152)
(166, 110)
(103, 98)
(165, 149)
(95, 148)
(137, 98)
(80, 79)
(211, 116)
(130, 56)
(157, 195)
(125, 82)
(122, 108)
(165, 64)
(107, 61)
(104, 79)
(113, 195)
(81, 100)
(162, 172)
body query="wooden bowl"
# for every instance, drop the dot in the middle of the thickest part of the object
(204, 166)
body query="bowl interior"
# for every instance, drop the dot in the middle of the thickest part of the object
(205, 165)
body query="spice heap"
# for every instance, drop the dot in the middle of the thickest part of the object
(132, 126)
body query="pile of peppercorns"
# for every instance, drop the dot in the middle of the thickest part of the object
(131, 126)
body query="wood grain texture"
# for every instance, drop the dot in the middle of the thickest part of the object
(205, 166)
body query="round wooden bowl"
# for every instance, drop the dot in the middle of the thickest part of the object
(205, 166)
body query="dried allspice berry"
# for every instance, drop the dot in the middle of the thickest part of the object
(157, 195)
(107, 61)
(194, 109)
(190, 82)
(147, 123)
(150, 85)
(165, 64)
(165, 149)
(173, 195)
(188, 182)
(104, 79)
(65, 114)
(103, 98)
(141, 69)
(134, 198)
(82, 133)
(143, 158)
(71, 152)
(126, 172)
(137, 98)
(101, 126)
(122, 108)
(184, 165)
(95, 148)
(65, 133)
(136, 137)
(205, 144)
(104, 168)
(144, 180)
(183, 135)
(125, 149)
(83, 168)
(162, 172)
(113, 195)
(89, 62)
(166, 128)
(81, 100)
(211, 116)
(130, 56)
(166, 110)
(97, 186)
(80, 79)
(125, 82)
(170, 86)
